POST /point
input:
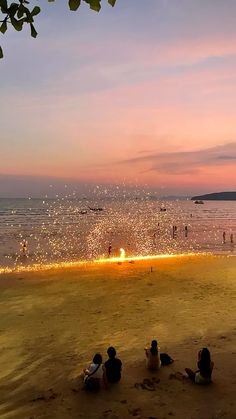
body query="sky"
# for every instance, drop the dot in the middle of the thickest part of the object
(140, 94)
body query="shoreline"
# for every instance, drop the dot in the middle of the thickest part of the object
(113, 260)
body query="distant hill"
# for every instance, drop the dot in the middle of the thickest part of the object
(216, 196)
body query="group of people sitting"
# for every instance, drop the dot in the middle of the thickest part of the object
(110, 371)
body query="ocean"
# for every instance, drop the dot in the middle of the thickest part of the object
(70, 229)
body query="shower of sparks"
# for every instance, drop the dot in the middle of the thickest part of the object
(62, 231)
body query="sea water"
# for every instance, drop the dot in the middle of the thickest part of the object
(66, 229)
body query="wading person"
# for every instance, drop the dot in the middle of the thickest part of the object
(24, 247)
(186, 231)
(224, 237)
(174, 232)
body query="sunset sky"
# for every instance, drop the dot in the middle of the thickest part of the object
(143, 93)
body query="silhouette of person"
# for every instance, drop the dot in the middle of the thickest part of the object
(231, 238)
(109, 250)
(24, 247)
(174, 231)
(154, 238)
(224, 237)
(186, 231)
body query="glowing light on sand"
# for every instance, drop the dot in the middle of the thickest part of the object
(150, 257)
(79, 263)
(43, 267)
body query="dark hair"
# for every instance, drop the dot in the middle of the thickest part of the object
(205, 358)
(111, 352)
(153, 349)
(97, 359)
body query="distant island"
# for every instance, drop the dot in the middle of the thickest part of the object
(216, 196)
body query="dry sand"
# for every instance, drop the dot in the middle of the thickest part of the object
(52, 323)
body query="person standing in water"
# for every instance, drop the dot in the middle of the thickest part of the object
(109, 250)
(231, 238)
(186, 231)
(24, 247)
(224, 237)
(154, 238)
(174, 232)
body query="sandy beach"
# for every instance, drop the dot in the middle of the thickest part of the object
(53, 322)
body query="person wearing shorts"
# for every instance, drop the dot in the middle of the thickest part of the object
(205, 365)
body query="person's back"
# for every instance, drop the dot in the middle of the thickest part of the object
(93, 375)
(153, 361)
(113, 370)
(95, 370)
(113, 366)
(205, 366)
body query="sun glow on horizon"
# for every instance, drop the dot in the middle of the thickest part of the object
(181, 71)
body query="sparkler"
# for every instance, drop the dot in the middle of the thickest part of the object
(122, 253)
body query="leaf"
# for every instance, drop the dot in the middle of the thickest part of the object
(36, 10)
(95, 5)
(34, 33)
(1, 53)
(17, 24)
(3, 26)
(21, 11)
(112, 2)
(74, 4)
(3, 5)
(28, 18)
(12, 9)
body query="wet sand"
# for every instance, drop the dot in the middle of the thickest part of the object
(52, 323)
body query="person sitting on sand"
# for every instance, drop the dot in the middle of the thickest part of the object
(113, 366)
(94, 374)
(205, 365)
(153, 361)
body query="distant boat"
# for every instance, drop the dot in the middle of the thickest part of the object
(83, 212)
(96, 209)
(198, 202)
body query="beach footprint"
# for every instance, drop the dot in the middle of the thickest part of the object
(177, 376)
(135, 411)
(147, 384)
